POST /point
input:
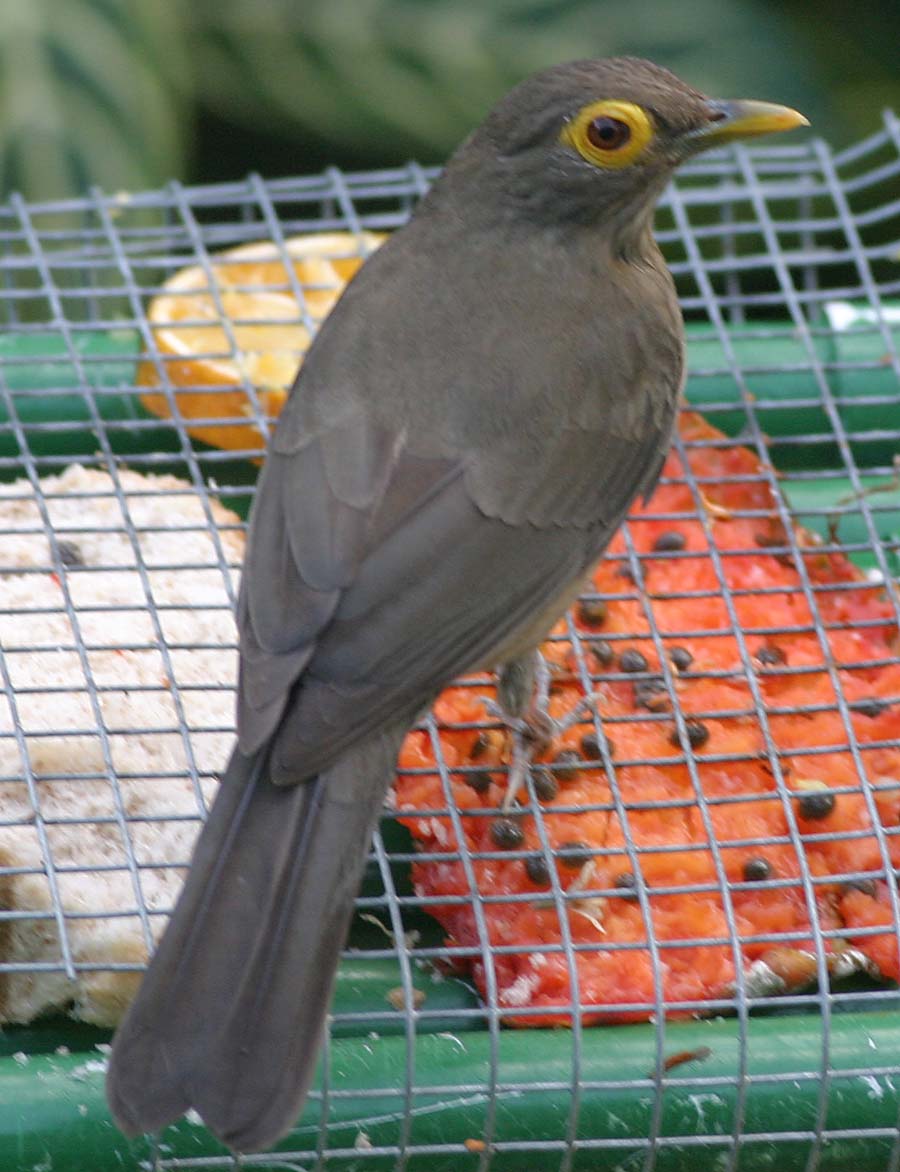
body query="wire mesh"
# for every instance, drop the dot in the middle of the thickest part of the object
(117, 582)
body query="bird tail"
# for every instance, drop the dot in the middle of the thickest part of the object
(230, 1015)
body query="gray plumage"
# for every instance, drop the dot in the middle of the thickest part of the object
(477, 413)
(270, 858)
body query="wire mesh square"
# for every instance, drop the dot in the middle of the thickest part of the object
(139, 379)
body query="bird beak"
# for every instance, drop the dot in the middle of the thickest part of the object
(743, 119)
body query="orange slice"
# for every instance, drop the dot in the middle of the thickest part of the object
(231, 340)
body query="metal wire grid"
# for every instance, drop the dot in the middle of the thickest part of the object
(762, 242)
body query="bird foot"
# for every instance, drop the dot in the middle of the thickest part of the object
(577, 714)
(536, 729)
(523, 692)
(530, 736)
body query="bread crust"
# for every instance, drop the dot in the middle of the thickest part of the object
(100, 772)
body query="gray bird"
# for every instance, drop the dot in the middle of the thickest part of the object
(492, 391)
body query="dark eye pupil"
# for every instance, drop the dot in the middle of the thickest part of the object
(608, 134)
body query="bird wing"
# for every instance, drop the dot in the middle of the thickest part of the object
(356, 609)
(400, 538)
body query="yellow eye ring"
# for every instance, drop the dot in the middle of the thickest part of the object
(609, 133)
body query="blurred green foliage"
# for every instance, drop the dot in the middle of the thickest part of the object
(129, 93)
(91, 91)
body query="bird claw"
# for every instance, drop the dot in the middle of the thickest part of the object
(577, 714)
(537, 729)
(515, 724)
(515, 778)
(523, 691)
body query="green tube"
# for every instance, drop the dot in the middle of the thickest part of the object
(53, 1115)
(831, 508)
(369, 995)
(787, 398)
(42, 360)
(54, 407)
(776, 364)
(44, 385)
(774, 361)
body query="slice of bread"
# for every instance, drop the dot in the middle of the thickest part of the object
(116, 711)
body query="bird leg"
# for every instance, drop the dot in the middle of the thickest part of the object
(523, 692)
(518, 681)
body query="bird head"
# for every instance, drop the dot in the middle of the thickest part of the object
(589, 141)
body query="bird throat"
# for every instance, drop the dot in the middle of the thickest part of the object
(630, 226)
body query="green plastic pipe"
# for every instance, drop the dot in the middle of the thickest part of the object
(831, 508)
(30, 371)
(53, 1115)
(36, 362)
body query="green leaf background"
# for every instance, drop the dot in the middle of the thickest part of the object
(91, 91)
(127, 94)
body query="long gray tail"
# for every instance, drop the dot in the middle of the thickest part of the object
(230, 1015)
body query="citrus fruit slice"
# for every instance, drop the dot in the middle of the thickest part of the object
(230, 339)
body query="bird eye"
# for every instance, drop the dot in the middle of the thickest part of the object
(609, 133)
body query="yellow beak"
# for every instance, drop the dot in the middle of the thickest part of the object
(744, 119)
